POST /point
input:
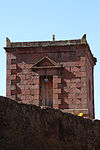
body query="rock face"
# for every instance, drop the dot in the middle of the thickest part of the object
(28, 127)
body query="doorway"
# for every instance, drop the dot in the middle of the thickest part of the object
(46, 91)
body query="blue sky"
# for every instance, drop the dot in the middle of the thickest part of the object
(37, 20)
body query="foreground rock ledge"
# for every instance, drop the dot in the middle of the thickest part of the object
(28, 127)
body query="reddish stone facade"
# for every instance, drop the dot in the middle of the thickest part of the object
(56, 74)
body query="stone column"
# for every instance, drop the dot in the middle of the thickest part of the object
(56, 91)
(35, 90)
(11, 76)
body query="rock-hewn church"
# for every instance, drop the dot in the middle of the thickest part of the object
(56, 74)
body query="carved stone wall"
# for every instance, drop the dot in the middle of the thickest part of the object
(70, 63)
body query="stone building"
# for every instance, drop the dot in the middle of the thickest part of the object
(57, 74)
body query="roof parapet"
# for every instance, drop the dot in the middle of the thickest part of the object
(46, 43)
(83, 40)
(8, 42)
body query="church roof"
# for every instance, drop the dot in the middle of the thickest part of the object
(11, 45)
(46, 43)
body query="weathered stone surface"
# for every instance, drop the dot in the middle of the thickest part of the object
(69, 62)
(28, 127)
